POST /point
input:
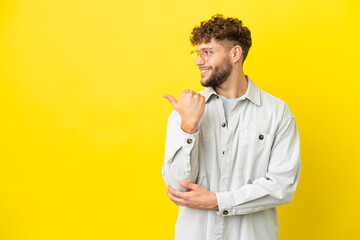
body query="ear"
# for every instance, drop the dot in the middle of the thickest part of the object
(236, 54)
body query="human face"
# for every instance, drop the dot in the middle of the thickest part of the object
(217, 68)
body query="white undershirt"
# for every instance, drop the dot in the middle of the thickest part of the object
(228, 105)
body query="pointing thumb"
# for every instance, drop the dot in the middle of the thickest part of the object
(171, 99)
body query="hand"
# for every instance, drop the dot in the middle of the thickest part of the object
(191, 107)
(198, 197)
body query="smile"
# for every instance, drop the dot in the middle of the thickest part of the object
(204, 72)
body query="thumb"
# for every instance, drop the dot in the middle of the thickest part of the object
(186, 184)
(171, 99)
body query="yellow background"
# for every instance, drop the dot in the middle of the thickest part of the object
(83, 119)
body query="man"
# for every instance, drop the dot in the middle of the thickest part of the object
(232, 151)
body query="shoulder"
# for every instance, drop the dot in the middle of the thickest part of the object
(276, 104)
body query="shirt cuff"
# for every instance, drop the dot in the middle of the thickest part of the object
(227, 206)
(225, 203)
(188, 140)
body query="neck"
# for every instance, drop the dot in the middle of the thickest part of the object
(235, 86)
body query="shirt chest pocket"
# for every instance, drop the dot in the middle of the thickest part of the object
(253, 137)
(254, 151)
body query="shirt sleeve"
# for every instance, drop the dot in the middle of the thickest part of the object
(278, 185)
(181, 154)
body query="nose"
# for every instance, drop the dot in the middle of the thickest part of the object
(199, 61)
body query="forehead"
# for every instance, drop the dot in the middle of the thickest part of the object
(212, 43)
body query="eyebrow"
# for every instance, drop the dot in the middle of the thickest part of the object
(204, 48)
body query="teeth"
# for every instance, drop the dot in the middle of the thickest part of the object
(204, 70)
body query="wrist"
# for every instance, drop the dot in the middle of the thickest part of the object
(215, 205)
(189, 128)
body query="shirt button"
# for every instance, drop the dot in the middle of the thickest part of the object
(223, 152)
(189, 141)
(225, 212)
(223, 124)
(261, 137)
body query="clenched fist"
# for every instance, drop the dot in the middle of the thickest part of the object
(190, 106)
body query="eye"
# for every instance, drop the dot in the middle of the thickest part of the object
(208, 51)
(202, 52)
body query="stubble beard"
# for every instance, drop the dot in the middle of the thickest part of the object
(219, 74)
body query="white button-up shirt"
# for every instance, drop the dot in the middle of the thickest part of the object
(252, 164)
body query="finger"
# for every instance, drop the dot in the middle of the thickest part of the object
(187, 184)
(184, 93)
(177, 201)
(171, 99)
(200, 96)
(176, 193)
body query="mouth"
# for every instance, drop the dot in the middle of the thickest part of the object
(204, 72)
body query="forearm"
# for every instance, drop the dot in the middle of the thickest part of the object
(181, 166)
(277, 186)
(263, 193)
(181, 154)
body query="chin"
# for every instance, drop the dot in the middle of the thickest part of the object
(204, 81)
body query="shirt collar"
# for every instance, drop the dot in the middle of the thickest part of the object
(252, 92)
